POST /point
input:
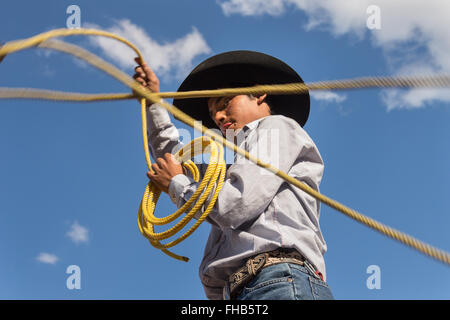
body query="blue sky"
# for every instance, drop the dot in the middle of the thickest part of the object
(72, 175)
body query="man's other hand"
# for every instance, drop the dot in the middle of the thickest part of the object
(164, 170)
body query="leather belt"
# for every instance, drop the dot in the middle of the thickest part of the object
(253, 266)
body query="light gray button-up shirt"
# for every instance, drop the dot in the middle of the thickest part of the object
(256, 211)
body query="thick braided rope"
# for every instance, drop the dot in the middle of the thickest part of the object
(155, 98)
(430, 81)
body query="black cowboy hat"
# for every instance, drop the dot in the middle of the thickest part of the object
(243, 68)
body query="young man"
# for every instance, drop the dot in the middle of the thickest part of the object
(265, 240)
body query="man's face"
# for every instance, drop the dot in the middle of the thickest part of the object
(232, 113)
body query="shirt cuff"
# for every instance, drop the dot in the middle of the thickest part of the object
(178, 185)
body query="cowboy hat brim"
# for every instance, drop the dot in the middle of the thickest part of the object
(243, 69)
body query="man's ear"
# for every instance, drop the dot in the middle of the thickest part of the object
(261, 98)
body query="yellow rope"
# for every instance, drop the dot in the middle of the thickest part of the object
(209, 142)
(435, 81)
(146, 219)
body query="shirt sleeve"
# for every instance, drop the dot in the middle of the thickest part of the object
(248, 189)
(163, 136)
(179, 185)
(182, 187)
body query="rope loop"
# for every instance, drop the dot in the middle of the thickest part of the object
(210, 143)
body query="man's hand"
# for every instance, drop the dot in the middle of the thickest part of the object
(145, 76)
(165, 169)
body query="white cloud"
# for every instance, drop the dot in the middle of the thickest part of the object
(253, 7)
(78, 233)
(169, 59)
(417, 98)
(47, 258)
(327, 96)
(43, 52)
(413, 33)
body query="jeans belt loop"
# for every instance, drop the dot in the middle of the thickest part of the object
(311, 268)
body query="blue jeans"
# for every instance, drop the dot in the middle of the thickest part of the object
(285, 281)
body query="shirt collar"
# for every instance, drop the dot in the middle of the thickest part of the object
(242, 134)
(250, 126)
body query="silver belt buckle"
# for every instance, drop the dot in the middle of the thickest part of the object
(226, 292)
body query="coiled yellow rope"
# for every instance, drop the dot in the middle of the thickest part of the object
(216, 168)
